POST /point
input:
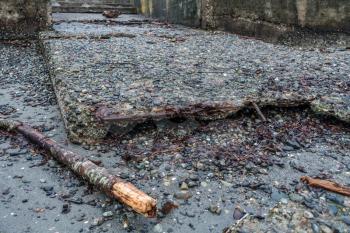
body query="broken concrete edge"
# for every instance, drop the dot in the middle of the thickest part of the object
(19, 20)
(107, 22)
(47, 35)
(91, 124)
(337, 106)
(94, 130)
(323, 107)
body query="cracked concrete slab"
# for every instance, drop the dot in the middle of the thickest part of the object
(111, 83)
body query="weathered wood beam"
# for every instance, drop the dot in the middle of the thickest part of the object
(327, 185)
(112, 185)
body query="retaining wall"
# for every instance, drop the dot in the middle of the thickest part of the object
(23, 18)
(253, 17)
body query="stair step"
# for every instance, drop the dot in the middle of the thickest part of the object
(74, 7)
(94, 1)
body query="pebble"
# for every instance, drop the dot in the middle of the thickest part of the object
(97, 221)
(16, 151)
(215, 209)
(184, 186)
(238, 213)
(295, 197)
(107, 214)
(337, 199)
(308, 215)
(158, 228)
(325, 229)
(276, 195)
(315, 228)
(65, 208)
(183, 195)
(346, 220)
(333, 210)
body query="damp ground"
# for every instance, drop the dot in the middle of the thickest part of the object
(219, 173)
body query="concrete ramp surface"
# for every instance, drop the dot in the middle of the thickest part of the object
(109, 76)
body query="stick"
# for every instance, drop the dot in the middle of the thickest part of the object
(112, 185)
(326, 184)
(257, 109)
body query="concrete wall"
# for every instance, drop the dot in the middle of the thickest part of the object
(185, 12)
(253, 17)
(23, 18)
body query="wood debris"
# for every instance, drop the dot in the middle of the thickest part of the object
(112, 185)
(327, 185)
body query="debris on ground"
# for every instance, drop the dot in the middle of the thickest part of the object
(326, 184)
(111, 13)
(123, 191)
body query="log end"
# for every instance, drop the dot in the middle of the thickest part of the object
(136, 199)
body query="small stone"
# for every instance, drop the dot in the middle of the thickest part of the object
(158, 228)
(183, 195)
(65, 208)
(47, 188)
(337, 199)
(315, 228)
(226, 184)
(215, 209)
(276, 195)
(204, 184)
(6, 191)
(107, 214)
(326, 229)
(199, 166)
(184, 186)
(346, 220)
(98, 221)
(287, 148)
(42, 181)
(293, 144)
(16, 151)
(308, 215)
(333, 210)
(194, 177)
(284, 201)
(295, 197)
(238, 213)
(80, 217)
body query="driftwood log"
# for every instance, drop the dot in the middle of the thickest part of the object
(326, 184)
(114, 186)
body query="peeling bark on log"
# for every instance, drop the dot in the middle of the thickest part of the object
(326, 184)
(114, 186)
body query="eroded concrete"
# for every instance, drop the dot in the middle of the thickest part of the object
(155, 71)
(23, 19)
